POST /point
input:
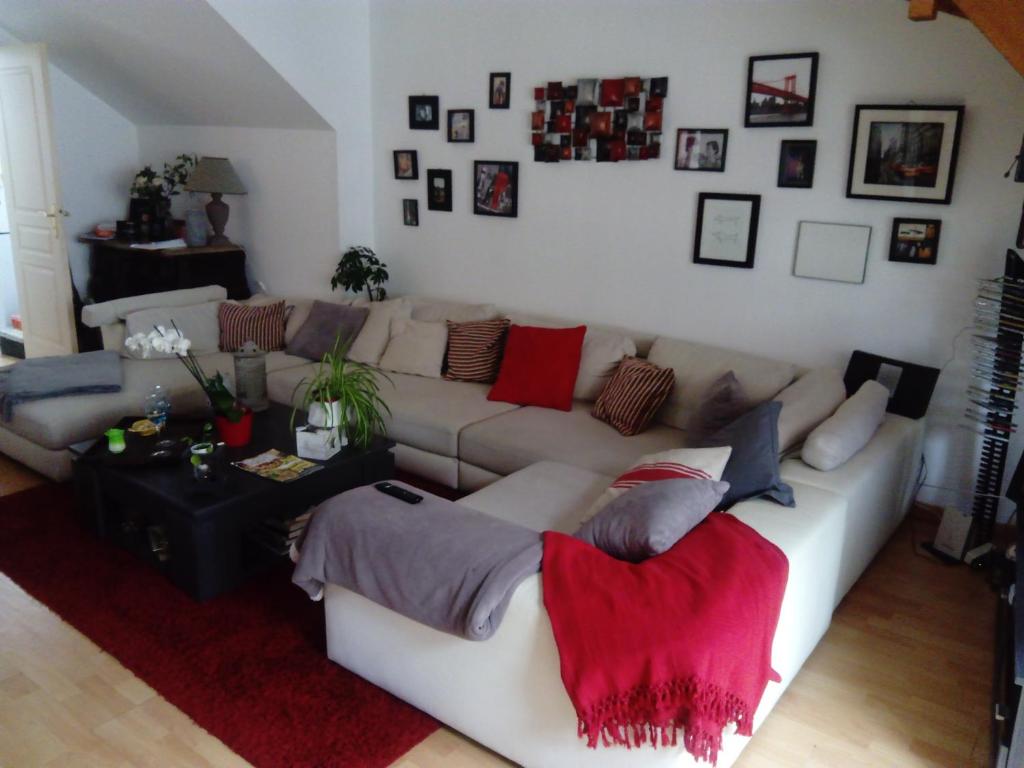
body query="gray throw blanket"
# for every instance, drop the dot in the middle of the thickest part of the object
(442, 564)
(44, 377)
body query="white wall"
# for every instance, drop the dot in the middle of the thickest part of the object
(613, 242)
(288, 221)
(322, 49)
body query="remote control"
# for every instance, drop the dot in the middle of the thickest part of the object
(399, 493)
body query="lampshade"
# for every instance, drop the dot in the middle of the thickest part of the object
(215, 174)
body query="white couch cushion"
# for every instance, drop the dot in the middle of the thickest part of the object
(807, 402)
(416, 347)
(107, 312)
(197, 322)
(373, 339)
(849, 429)
(698, 366)
(512, 441)
(601, 355)
(440, 311)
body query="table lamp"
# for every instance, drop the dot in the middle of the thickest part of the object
(216, 176)
(1019, 178)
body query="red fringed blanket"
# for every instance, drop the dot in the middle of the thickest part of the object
(681, 641)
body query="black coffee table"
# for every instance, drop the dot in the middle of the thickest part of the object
(200, 533)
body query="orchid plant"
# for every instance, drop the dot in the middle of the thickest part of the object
(171, 341)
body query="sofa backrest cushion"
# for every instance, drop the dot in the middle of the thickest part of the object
(197, 323)
(440, 310)
(698, 366)
(325, 326)
(373, 339)
(807, 402)
(602, 353)
(850, 428)
(109, 312)
(416, 347)
(539, 366)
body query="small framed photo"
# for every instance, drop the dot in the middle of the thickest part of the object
(796, 163)
(439, 189)
(496, 188)
(501, 87)
(411, 212)
(460, 126)
(405, 164)
(904, 153)
(780, 90)
(726, 234)
(424, 113)
(701, 149)
(915, 241)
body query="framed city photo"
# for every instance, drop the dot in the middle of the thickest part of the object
(726, 232)
(915, 241)
(496, 188)
(780, 90)
(405, 164)
(439, 189)
(424, 113)
(701, 149)
(501, 87)
(460, 126)
(904, 153)
(796, 163)
(411, 212)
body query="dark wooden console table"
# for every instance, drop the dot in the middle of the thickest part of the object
(117, 270)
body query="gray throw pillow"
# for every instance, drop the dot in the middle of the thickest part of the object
(326, 324)
(650, 518)
(753, 468)
(720, 405)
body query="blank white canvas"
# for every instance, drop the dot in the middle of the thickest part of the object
(832, 251)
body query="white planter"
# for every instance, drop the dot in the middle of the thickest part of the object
(326, 415)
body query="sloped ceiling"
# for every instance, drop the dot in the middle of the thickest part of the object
(161, 62)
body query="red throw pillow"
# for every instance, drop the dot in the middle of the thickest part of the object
(539, 366)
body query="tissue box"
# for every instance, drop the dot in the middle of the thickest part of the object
(318, 443)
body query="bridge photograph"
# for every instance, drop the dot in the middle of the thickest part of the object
(780, 90)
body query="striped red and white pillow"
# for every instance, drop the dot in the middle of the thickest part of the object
(633, 395)
(674, 464)
(262, 324)
(474, 350)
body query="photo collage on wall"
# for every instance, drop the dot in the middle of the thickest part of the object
(601, 120)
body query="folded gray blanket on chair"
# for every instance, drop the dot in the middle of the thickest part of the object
(440, 563)
(44, 377)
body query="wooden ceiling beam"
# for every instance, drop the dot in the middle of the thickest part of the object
(927, 10)
(1002, 22)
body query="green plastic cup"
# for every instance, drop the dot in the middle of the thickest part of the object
(115, 440)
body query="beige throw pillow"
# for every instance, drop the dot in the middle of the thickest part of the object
(373, 339)
(602, 353)
(807, 402)
(416, 347)
(843, 434)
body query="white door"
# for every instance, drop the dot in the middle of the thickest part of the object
(28, 159)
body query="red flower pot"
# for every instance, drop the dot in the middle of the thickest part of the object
(235, 434)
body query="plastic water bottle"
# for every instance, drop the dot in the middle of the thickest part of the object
(158, 406)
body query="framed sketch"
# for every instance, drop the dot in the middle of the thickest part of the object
(904, 153)
(827, 251)
(915, 241)
(796, 163)
(701, 149)
(726, 234)
(424, 113)
(411, 212)
(780, 90)
(406, 166)
(501, 87)
(439, 189)
(460, 126)
(496, 188)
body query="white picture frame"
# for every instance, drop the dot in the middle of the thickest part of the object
(828, 251)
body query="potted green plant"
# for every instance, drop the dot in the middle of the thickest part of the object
(342, 394)
(360, 270)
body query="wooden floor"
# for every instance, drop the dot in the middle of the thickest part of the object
(901, 679)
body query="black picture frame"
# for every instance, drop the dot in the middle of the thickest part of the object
(908, 248)
(705, 137)
(439, 196)
(494, 195)
(703, 201)
(760, 117)
(499, 97)
(873, 178)
(411, 212)
(414, 169)
(424, 113)
(797, 151)
(468, 139)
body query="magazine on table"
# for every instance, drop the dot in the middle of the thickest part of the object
(274, 465)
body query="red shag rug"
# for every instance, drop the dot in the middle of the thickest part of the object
(250, 667)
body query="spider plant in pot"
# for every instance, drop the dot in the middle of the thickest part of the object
(342, 395)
